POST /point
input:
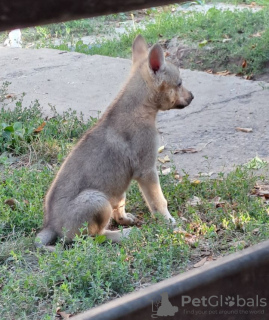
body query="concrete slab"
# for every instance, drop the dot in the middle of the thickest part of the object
(89, 83)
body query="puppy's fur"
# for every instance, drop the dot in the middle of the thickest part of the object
(90, 186)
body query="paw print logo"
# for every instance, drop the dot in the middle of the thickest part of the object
(229, 301)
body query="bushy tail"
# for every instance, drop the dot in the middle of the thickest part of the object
(45, 237)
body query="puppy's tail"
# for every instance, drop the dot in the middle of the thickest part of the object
(44, 238)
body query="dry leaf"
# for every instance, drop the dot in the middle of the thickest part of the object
(256, 231)
(187, 150)
(249, 77)
(247, 130)
(209, 71)
(258, 34)
(244, 63)
(194, 201)
(200, 263)
(63, 314)
(261, 191)
(165, 159)
(223, 73)
(195, 182)
(160, 150)
(178, 177)
(217, 202)
(206, 174)
(40, 128)
(166, 171)
(10, 96)
(12, 203)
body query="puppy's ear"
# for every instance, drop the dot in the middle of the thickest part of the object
(140, 49)
(156, 58)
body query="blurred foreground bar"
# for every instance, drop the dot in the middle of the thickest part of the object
(26, 13)
(232, 288)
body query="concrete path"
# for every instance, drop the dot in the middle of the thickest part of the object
(89, 83)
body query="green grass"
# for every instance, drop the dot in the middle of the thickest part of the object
(24, 129)
(206, 34)
(93, 271)
(218, 40)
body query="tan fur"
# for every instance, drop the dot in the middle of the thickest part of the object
(90, 185)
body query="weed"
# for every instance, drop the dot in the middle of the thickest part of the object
(25, 129)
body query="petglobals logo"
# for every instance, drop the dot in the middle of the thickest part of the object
(222, 301)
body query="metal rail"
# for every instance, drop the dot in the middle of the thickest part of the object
(232, 288)
(25, 13)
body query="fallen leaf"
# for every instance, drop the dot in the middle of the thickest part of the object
(217, 202)
(203, 43)
(200, 263)
(165, 159)
(194, 201)
(256, 231)
(40, 128)
(247, 130)
(187, 150)
(249, 77)
(258, 34)
(223, 73)
(10, 96)
(206, 174)
(261, 191)
(160, 150)
(63, 314)
(209, 71)
(12, 203)
(244, 63)
(195, 182)
(166, 171)
(178, 177)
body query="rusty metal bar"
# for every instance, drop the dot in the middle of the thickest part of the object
(25, 13)
(238, 283)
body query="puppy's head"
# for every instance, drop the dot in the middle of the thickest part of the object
(162, 77)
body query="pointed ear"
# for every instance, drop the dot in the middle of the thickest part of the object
(156, 58)
(140, 49)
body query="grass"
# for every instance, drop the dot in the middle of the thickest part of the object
(227, 218)
(235, 41)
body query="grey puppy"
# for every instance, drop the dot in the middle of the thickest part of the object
(91, 183)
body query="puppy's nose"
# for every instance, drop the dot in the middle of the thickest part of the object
(192, 96)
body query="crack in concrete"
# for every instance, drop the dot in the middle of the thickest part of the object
(246, 95)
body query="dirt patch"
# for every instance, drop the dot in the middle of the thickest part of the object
(191, 56)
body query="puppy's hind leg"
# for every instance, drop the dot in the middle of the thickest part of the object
(92, 207)
(122, 217)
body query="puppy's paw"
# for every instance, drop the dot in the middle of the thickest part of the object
(131, 218)
(127, 220)
(126, 232)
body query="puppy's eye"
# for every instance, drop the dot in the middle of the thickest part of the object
(179, 84)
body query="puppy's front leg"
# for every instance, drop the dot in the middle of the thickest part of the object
(150, 186)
